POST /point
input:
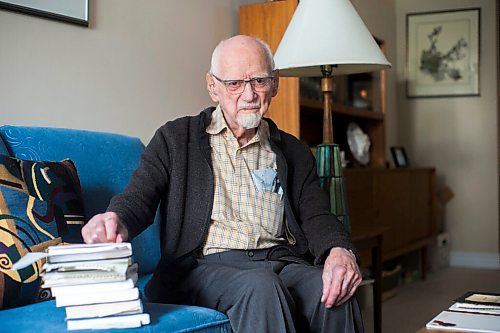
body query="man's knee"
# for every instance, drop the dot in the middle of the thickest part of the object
(260, 282)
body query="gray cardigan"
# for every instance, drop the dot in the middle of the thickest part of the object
(176, 172)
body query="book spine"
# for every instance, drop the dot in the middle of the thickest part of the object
(92, 288)
(128, 321)
(102, 297)
(104, 309)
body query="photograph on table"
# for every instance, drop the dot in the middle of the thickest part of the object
(399, 157)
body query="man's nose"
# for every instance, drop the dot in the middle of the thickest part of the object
(248, 94)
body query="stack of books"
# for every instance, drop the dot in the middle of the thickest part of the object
(96, 285)
(471, 312)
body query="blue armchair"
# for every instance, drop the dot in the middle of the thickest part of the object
(105, 163)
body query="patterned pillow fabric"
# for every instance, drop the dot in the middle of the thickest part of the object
(40, 205)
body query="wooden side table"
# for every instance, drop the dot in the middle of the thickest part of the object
(372, 240)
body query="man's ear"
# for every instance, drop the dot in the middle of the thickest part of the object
(276, 81)
(211, 88)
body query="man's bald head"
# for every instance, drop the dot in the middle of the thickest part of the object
(237, 44)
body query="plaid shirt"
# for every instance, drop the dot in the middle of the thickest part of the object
(242, 217)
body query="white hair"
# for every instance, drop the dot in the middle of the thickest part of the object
(215, 55)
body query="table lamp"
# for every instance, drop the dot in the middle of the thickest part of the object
(326, 38)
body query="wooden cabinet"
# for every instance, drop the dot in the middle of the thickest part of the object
(401, 201)
(298, 107)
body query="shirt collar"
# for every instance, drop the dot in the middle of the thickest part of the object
(218, 125)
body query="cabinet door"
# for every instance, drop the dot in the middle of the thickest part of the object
(392, 196)
(422, 223)
(360, 200)
(404, 200)
(268, 21)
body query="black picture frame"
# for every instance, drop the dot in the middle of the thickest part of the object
(74, 11)
(399, 157)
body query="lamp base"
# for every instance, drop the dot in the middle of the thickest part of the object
(329, 169)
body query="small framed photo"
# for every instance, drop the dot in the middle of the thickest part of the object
(442, 53)
(399, 157)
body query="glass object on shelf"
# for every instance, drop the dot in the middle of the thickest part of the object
(359, 143)
(359, 88)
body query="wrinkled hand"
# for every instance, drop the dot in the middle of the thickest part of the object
(104, 228)
(341, 277)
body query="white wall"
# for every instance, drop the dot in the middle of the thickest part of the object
(138, 65)
(459, 137)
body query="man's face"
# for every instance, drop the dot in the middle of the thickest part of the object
(242, 61)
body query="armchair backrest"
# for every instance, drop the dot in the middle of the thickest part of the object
(104, 162)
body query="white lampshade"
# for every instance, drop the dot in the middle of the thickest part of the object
(327, 32)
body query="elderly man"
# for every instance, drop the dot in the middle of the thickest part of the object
(246, 228)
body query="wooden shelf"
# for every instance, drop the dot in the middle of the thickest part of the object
(341, 109)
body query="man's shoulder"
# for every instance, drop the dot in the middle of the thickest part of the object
(185, 122)
(285, 140)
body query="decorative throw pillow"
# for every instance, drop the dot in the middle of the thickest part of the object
(40, 205)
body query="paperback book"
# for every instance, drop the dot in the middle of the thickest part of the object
(98, 297)
(94, 287)
(104, 310)
(82, 252)
(465, 322)
(89, 275)
(471, 312)
(126, 321)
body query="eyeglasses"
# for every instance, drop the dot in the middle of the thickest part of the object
(237, 87)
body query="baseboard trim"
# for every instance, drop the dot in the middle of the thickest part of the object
(475, 259)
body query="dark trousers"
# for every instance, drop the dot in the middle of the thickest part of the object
(260, 295)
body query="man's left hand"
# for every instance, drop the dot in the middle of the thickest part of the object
(341, 277)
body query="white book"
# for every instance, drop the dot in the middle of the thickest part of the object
(76, 252)
(94, 287)
(81, 252)
(103, 274)
(128, 321)
(465, 322)
(476, 308)
(103, 264)
(104, 309)
(98, 297)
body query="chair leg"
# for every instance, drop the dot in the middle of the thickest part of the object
(423, 262)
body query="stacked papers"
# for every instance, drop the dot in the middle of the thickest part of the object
(96, 283)
(472, 312)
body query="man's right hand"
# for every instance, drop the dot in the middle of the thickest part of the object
(103, 228)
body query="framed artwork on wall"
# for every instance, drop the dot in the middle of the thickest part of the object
(71, 11)
(442, 53)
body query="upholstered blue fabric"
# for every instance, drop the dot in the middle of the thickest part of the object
(3, 149)
(45, 317)
(104, 162)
